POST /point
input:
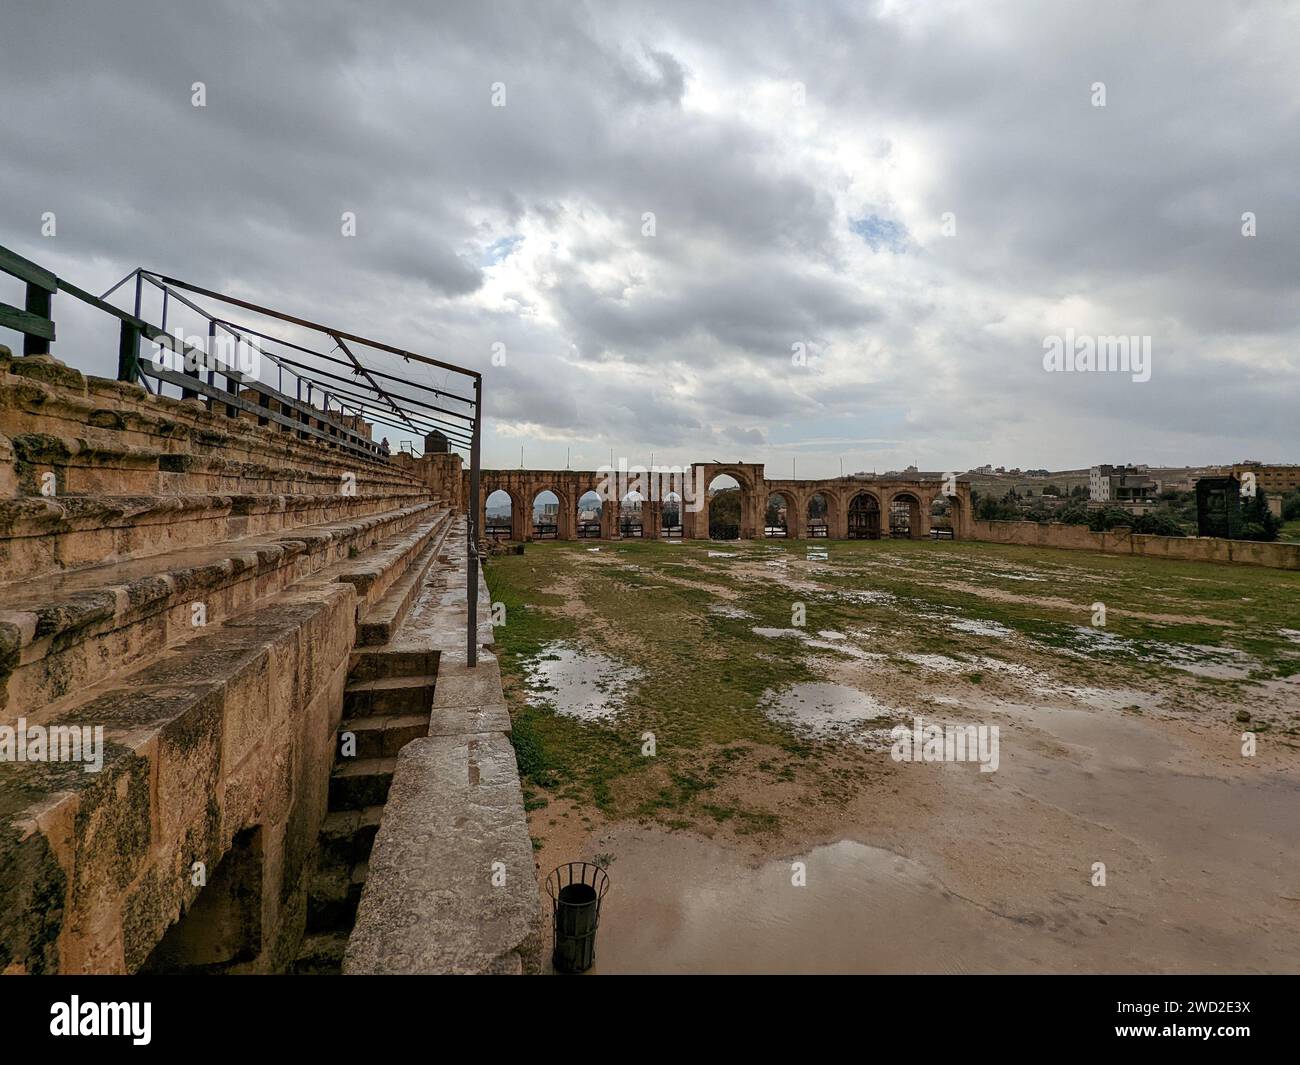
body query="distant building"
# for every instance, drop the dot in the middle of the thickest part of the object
(1274, 480)
(1121, 484)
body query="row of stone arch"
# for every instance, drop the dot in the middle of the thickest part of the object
(838, 509)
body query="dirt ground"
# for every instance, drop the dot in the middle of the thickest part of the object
(1124, 829)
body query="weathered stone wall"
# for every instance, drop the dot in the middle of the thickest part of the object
(234, 730)
(191, 846)
(1122, 541)
(441, 472)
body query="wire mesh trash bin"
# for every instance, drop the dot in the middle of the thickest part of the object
(576, 890)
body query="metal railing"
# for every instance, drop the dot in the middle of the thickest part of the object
(348, 400)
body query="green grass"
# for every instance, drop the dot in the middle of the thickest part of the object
(703, 675)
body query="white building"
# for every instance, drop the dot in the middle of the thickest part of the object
(1099, 484)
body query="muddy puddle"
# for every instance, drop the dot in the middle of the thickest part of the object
(691, 906)
(961, 872)
(579, 683)
(823, 710)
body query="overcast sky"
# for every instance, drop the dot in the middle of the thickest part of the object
(798, 161)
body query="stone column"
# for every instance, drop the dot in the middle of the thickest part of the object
(608, 520)
(837, 517)
(651, 519)
(923, 521)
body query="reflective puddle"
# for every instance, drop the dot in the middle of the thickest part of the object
(579, 683)
(823, 710)
(684, 905)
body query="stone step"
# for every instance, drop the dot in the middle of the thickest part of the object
(321, 954)
(332, 897)
(383, 619)
(389, 695)
(101, 463)
(208, 741)
(379, 570)
(71, 630)
(356, 784)
(375, 663)
(374, 737)
(347, 835)
(109, 437)
(40, 535)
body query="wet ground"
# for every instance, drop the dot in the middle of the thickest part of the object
(995, 873)
(1125, 828)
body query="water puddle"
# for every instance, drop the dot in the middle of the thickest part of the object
(823, 710)
(863, 597)
(976, 627)
(686, 905)
(1218, 663)
(578, 683)
(938, 663)
(723, 611)
(832, 642)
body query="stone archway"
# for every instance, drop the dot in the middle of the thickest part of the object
(818, 512)
(864, 515)
(908, 518)
(564, 511)
(780, 514)
(518, 518)
(748, 478)
(946, 516)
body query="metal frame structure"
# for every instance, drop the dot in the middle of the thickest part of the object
(359, 394)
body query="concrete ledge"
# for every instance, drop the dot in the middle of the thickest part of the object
(450, 886)
(469, 720)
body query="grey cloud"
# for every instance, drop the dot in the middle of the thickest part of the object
(614, 110)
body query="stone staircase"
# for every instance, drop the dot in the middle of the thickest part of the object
(194, 585)
(270, 632)
(386, 704)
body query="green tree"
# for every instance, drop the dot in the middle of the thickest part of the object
(1258, 522)
(1291, 506)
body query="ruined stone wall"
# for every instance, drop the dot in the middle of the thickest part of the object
(1122, 541)
(523, 487)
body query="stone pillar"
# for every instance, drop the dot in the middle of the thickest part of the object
(922, 524)
(608, 520)
(651, 519)
(837, 518)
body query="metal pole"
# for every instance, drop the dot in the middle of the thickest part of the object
(471, 548)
